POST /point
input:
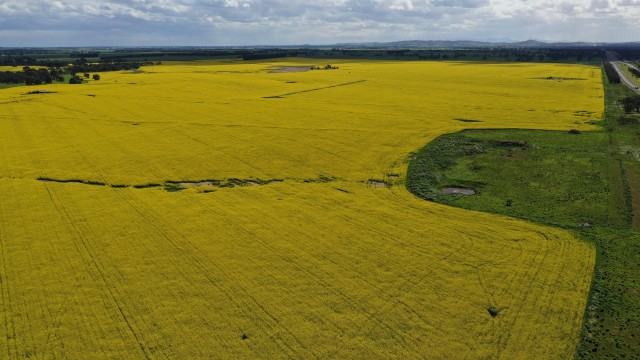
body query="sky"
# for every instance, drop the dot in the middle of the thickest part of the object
(294, 22)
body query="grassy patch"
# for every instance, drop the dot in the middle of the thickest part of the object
(521, 173)
(170, 187)
(612, 320)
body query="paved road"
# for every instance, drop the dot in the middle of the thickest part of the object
(617, 65)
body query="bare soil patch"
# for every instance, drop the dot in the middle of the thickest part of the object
(290, 69)
(458, 191)
(378, 184)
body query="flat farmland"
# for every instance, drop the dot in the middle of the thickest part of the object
(199, 210)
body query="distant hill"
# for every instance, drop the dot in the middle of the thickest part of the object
(461, 44)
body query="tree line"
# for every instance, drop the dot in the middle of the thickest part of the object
(30, 76)
(612, 74)
(103, 67)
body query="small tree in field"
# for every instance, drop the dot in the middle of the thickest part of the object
(96, 77)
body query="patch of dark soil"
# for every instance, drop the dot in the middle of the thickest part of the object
(37, 92)
(321, 179)
(467, 120)
(493, 311)
(146, 186)
(74, 181)
(557, 78)
(509, 144)
(226, 183)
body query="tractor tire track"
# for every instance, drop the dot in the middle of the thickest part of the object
(84, 250)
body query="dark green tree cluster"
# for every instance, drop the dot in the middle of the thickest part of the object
(75, 80)
(29, 61)
(612, 74)
(267, 54)
(634, 71)
(631, 103)
(627, 52)
(77, 54)
(29, 76)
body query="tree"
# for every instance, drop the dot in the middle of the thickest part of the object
(631, 103)
(75, 80)
(32, 80)
(96, 77)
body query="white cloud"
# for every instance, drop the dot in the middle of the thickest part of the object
(231, 3)
(242, 22)
(401, 5)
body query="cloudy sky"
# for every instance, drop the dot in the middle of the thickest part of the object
(283, 22)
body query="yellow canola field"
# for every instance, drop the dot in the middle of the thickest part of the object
(318, 265)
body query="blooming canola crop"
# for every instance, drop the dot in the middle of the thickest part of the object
(217, 209)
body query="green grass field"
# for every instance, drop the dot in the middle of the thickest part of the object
(630, 76)
(493, 163)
